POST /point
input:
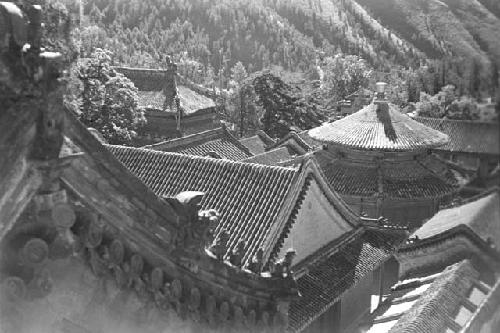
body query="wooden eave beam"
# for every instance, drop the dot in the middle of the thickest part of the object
(110, 170)
(19, 177)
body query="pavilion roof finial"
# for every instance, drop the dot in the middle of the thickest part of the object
(380, 96)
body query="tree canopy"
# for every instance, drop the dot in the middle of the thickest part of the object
(447, 104)
(109, 101)
(283, 109)
(344, 75)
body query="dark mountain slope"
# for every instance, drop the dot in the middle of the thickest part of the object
(460, 28)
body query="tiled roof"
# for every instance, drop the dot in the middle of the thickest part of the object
(413, 180)
(463, 135)
(150, 83)
(217, 141)
(235, 189)
(222, 147)
(379, 127)
(145, 79)
(294, 142)
(348, 178)
(151, 100)
(258, 143)
(304, 135)
(434, 301)
(191, 101)
(328, 278)
(410, 179)
(271, 157)
(481, 215)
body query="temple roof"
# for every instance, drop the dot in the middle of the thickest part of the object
(271, 157)
(294, 142)
(480, 214)
(304, 135)
(258, 143)
(463, 135)
(234, 189)
(419, 178)
(150, 83)
(379, 127)
(442, 302)
(218, 142)
(336, 269)
(190, 101)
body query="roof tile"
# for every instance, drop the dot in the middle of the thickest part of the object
(437, 306)
(271, 157)
(258, 143)
(327, 279)
(482, 216)
(235, 189)
(463, 135)
(217, 141)
(410, 179)
(379, 127)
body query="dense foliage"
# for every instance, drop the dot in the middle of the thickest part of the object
(446, 104)
(344, 76)
(264, 101)
(108, 100)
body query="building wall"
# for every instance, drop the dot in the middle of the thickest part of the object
(347, 312)
(356, 303)
(483, 163)
(410, 213)
(317, 223)
(390, 276)
(492, 325)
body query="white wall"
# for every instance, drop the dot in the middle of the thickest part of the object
(317, 223)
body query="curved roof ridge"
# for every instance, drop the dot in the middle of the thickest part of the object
(291, 135)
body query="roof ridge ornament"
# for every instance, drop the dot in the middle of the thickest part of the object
(380, 96)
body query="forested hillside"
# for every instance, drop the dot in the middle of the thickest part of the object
(326, 49)
(459, 28)
(215, 34)
(208, 38)
(258, 33)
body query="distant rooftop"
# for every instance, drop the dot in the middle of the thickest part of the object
(467, 136)
(151, 82)
(218, 142)
(258, 143)
(480, 214)
(271, 157)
